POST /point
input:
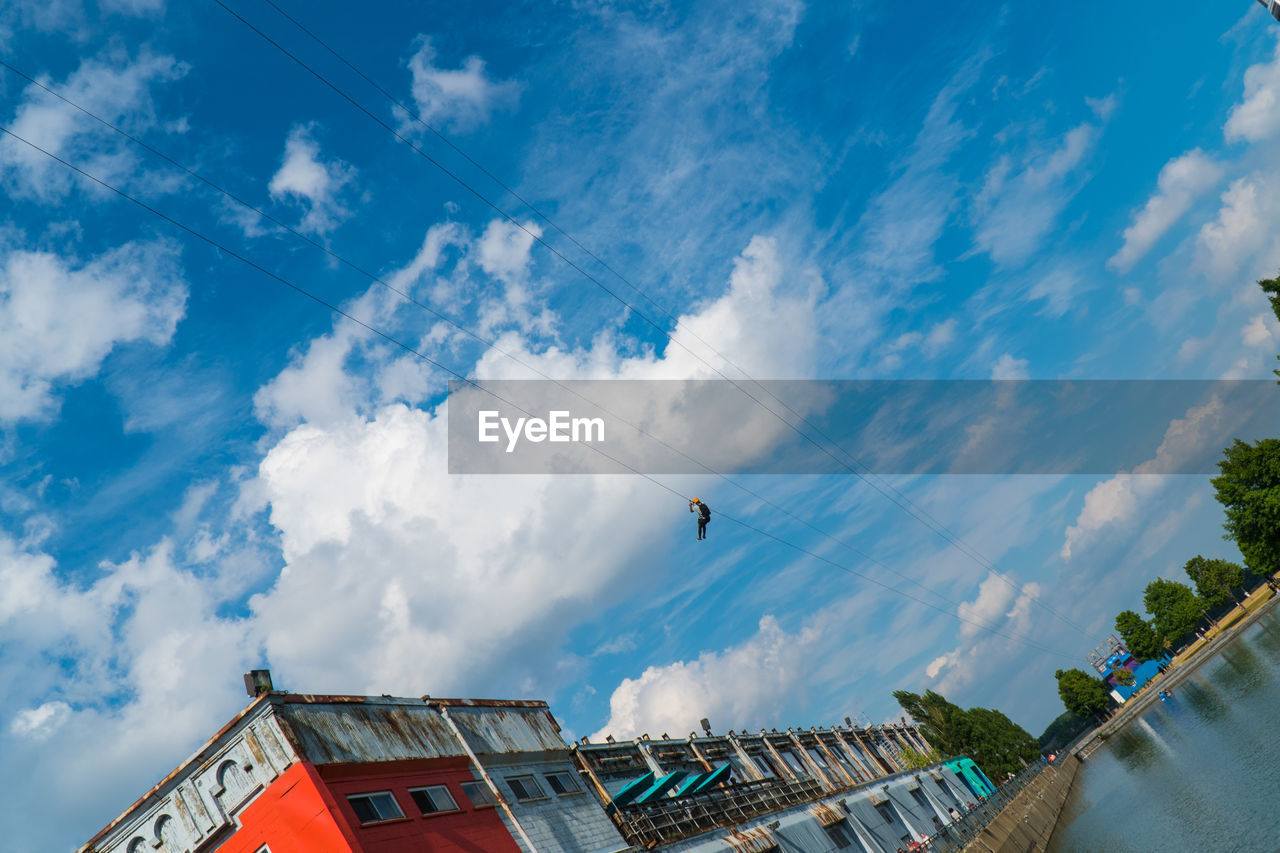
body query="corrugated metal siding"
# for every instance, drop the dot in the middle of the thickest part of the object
(331, 734)
(825, 814)
(501, 731)
(758, 840)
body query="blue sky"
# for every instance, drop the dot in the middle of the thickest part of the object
(202, 471)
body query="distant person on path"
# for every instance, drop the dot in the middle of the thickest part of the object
(704, 515)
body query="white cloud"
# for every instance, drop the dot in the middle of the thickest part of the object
(1259, 331)
(461, 98)
(132, 7)
(1181, 181)
(744, 686)
(112, 86)
(1018, 205)
(315, 183)
(1008, 367)
(1257, 117)
(1243, 228)
(60, 319)
(41, 722)
(1116, 500)
(356, 493)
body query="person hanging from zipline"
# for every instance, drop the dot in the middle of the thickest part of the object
(704, 515)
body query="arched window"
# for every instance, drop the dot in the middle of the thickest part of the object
(167, 835)
(137, 845)
(234, 784)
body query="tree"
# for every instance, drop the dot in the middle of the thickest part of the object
(1141, 639)
(936, 718)
(1215, 579)
(1174, 607)
(995, 742)
(1066, 728)
(917, 760)
(1249, 490)
(1123, 677)
(1271, 287)
(998, 745)
(1082, 694)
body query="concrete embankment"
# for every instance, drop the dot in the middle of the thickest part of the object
(1027, 823)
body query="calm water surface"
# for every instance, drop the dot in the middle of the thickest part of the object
(1198, 773)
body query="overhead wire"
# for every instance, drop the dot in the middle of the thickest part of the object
(214, 243)
(883, 487)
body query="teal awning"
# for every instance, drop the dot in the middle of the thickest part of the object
(715, 777)
(632, 789)
(666, 783)
(687, 786)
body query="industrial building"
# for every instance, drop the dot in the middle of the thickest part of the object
(296, 773)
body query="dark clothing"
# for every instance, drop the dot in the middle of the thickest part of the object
(702, 526)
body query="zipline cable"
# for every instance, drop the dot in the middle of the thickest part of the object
(467, 331)
(212, 242)
(887, 490)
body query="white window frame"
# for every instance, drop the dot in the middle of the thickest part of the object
(572, 787)
(488, 801)
(428, 789)
(530, 784)
(369, 795)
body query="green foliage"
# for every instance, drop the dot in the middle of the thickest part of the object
(1249, 490)
(1215, 579)
(1062, 731)
(917, 760)
(1082, 694)
(1138, 635)
(1174, 607)
(1123, 677)
(936, 718)
(1271, 287)
(996, 743)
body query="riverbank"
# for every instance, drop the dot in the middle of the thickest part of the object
(1027, 823)
(1184, 665)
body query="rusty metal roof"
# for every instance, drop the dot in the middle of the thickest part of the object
(495, 730)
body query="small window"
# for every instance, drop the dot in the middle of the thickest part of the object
(479, 794)
(434, 799)
(370, 808)
(918, 796)
(563, 783)
(885, 812)
(839, 835)
(525, 787)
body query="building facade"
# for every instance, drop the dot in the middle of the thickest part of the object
(352, 774)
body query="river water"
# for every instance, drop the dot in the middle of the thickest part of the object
(1200, 772)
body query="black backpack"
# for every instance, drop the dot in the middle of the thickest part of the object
(705, 511)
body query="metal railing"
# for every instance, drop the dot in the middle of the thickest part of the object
(669, 820)
(959, 835)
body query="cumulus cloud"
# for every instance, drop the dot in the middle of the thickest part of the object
(1257, 117)
(1009, 367)
(114, 86)
(357, 494)
(59, 319)
(1242, 230)
(1181, 181)
(744, 686)
(1116, 500)
(317, 184)
(1259, 331)
(461, 98)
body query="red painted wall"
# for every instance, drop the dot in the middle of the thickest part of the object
(293, 815)
(469, 830)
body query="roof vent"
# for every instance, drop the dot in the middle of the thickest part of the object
(257, 682)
